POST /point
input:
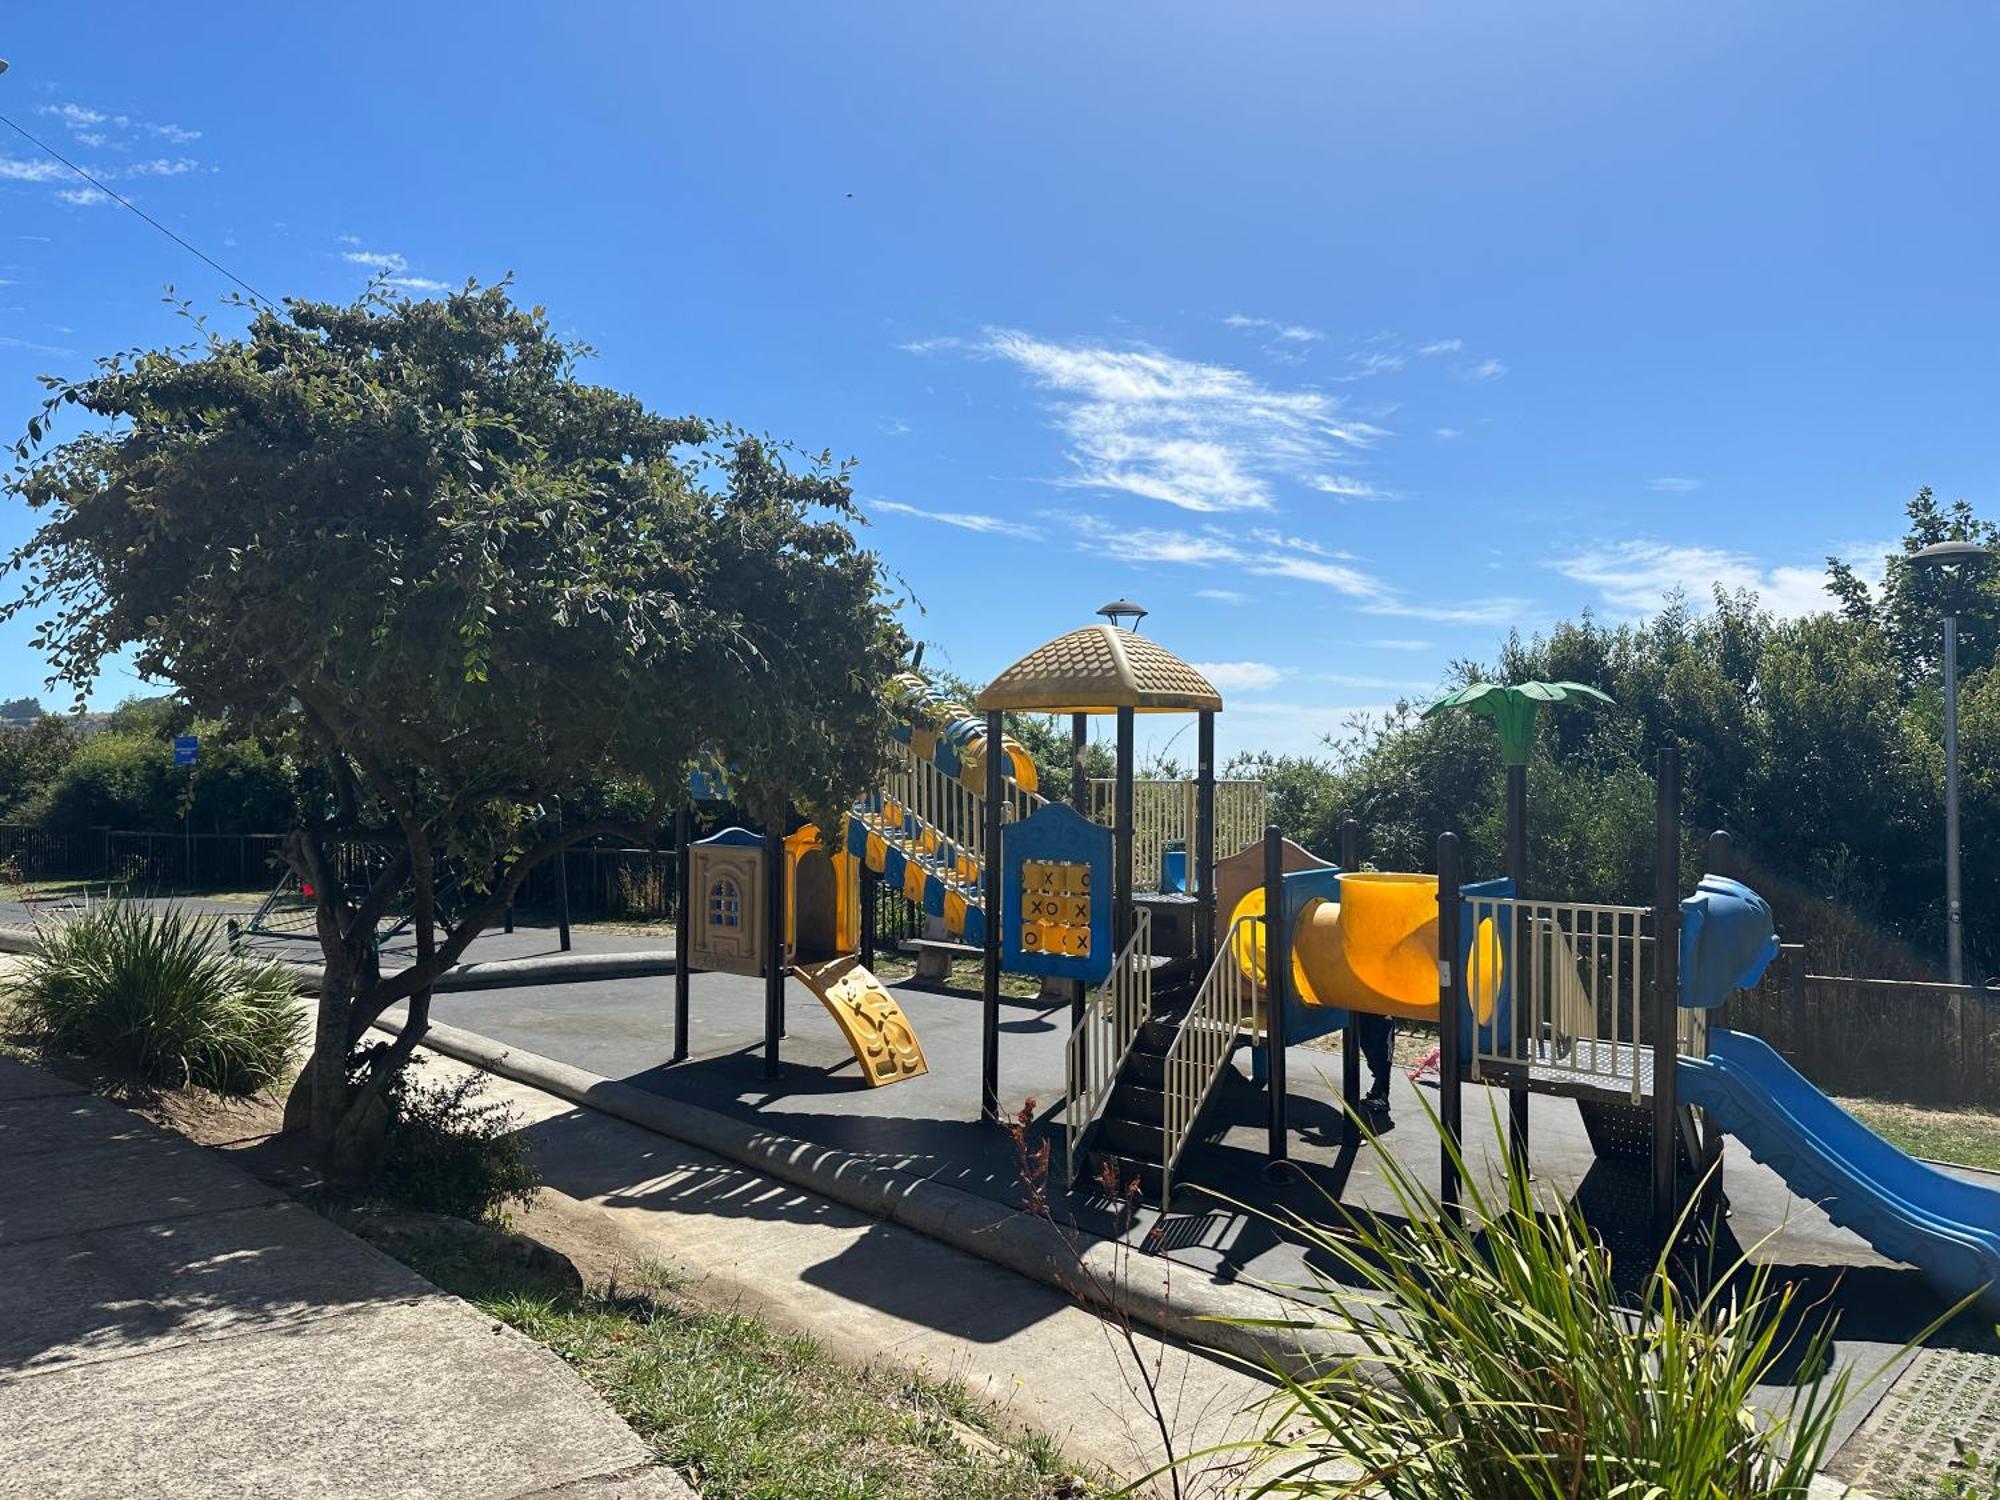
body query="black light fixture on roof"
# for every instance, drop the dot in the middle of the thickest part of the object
(1123, 609)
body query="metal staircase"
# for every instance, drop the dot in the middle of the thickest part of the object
(1131, 1119)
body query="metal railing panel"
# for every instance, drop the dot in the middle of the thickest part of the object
(1102, 1040)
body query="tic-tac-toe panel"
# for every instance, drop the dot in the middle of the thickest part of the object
(1055, 882)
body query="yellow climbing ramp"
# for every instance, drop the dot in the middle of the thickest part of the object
(883, 1041)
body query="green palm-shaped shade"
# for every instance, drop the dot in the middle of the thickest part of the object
(1512, 710)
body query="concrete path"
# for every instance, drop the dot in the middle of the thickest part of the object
(875, 1292)
(171, 1326)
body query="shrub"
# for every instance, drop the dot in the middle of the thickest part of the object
(1502, 1361)
(450, 1152)
(157, 994)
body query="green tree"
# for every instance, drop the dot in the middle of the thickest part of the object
(31, 755)
(1909, 605)
(405, 540)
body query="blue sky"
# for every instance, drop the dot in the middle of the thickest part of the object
(1343, 337)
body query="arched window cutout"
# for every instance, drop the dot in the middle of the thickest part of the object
(725, 904)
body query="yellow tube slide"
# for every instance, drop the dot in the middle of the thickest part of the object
(1375, 950)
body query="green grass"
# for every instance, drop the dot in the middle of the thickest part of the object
(1970, 1138)
(747, 1412)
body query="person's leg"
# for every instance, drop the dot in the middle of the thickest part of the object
(1374, 1035)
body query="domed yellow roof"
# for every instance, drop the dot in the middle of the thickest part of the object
(1097, 669)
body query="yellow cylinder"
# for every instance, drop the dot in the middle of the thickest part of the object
(1375, 950)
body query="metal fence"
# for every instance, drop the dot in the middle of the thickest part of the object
(1163, 812)
(604, 880)
(1911, 1041)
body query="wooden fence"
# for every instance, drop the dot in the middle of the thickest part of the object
(1911, 1041)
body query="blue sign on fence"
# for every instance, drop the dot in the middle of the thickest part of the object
(187, 749)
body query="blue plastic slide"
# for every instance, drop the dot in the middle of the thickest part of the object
(1945, 1226)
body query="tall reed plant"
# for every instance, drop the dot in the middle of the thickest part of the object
(1501, 1361)
(156, 994)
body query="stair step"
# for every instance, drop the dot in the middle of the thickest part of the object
(1124, 1171)
(1138, 1103)
(1129, 1138)
(1145, 1069)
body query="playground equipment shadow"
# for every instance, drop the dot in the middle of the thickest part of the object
(1221, 1229)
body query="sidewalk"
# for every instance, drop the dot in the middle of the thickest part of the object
(171, 1326)
(875, 1292)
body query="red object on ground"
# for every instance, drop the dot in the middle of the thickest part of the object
(1428, 1063)
(306, 890)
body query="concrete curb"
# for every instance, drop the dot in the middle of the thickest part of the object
(1174, 1300)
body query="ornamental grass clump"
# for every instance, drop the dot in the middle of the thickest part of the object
(157, 995)
(1502, 1360)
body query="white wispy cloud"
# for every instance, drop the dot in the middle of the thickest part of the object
(1673, 484)
(1223, 596)
(417, 283)
(1447, 434)
(1371, 684)
(81, 197)
(1633, 577)
(1486, 369)
(1201, 437)
(1442, 346)
(964, 520)
(161, 166)
(384, 260)
(1240, 676)
(30, 169)
(1266, 553)
(1345, 487)
(8, 341)
(1291, 333)
(1400, 644)
(1375, 362)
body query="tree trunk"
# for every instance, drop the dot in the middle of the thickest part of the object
(319, 1098)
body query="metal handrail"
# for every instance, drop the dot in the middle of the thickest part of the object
(949, 816)
(1582, 989)
(1106, 1034)
(1223, 1006)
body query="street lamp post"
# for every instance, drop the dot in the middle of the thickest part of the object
(1953, 560)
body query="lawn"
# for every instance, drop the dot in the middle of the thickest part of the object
(1971, 1138)
(745, 1411)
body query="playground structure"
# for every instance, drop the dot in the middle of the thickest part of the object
(1621, 1008)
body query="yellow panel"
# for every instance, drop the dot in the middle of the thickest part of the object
(913, 883)
(954, 913)
(923, 743)
(877, 851)
(880, 1035)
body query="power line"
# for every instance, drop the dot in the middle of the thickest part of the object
(119, 197)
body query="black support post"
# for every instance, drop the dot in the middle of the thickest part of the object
(1666, 990)
(871, 899)
(1201, 858)
(1350, 1034)
(1121, 834)
(989, 1016)
(683, 927)
(1517, 871)
(1451, 1103)
(774, 950)
(562, 885)
(1277, 981)
(1079, 783)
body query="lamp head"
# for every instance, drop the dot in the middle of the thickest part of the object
(1123, 609)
